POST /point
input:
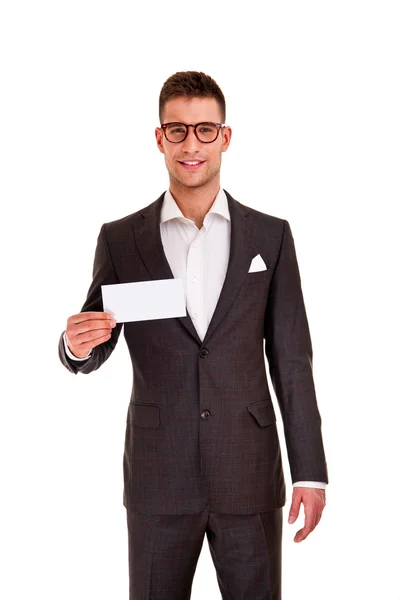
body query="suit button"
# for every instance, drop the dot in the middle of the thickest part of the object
(205, 414)
(204, 352)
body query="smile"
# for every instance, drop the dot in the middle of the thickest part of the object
(191, 165)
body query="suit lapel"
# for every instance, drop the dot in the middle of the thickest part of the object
(149, 243)
(241, 250)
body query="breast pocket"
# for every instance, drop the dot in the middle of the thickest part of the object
(258, 277)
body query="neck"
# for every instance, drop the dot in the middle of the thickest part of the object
(194, 203)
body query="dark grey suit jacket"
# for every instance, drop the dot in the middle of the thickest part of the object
(200, 424)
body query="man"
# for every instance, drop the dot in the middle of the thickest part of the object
(202, 453)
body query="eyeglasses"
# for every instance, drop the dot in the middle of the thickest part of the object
(204, 132)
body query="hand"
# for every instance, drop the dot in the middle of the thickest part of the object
(86, 330)
(314, 501)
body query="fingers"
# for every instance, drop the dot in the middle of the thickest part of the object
(88, 316)
(294, 510)
(81, 348)
(91, 337)
(89, 322)
(310, 524)
(313, 500)
(88, 329)
(91, 326)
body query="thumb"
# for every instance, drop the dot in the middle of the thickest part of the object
(294, 509)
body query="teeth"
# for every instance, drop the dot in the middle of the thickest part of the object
(192, 163)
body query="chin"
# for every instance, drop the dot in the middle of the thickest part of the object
(190, 182)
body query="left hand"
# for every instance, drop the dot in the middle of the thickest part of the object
(314, 501)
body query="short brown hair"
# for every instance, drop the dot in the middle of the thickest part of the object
(191, 84)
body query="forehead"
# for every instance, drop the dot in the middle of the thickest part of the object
(191, 110)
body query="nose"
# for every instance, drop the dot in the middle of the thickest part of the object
(191, 143)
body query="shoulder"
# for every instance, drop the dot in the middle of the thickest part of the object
(266, 220)
(118, 229)
(265, 223)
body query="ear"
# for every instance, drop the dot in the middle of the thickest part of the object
(159, 139)
(226, 134)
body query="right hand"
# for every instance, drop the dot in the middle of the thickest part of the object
(88, 329)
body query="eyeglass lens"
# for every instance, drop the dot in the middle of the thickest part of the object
(206, 132)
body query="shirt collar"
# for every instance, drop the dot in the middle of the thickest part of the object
(170, 209)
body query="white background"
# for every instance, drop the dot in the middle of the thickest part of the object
(312, 97)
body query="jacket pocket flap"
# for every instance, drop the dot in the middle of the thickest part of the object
(144, 415)
(263, 412)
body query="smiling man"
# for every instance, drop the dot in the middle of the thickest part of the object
(202, 453)
(193, 151)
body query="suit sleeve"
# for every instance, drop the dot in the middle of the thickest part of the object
(289, 353)
(103, 274)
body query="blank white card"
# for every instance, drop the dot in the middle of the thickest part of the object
(142, 300)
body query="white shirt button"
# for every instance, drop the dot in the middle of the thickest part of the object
(194, 279)
(194, 245)
(194, 315)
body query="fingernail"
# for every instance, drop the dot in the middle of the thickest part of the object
(290, 519)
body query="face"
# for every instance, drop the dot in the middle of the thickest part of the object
(193, 110)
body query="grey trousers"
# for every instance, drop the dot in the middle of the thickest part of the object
(163, 553)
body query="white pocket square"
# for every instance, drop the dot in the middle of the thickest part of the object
(257, 264)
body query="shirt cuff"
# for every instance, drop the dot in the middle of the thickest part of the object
(313, 484)
(69, 353)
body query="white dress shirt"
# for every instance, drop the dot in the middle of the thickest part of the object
(200, 258)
